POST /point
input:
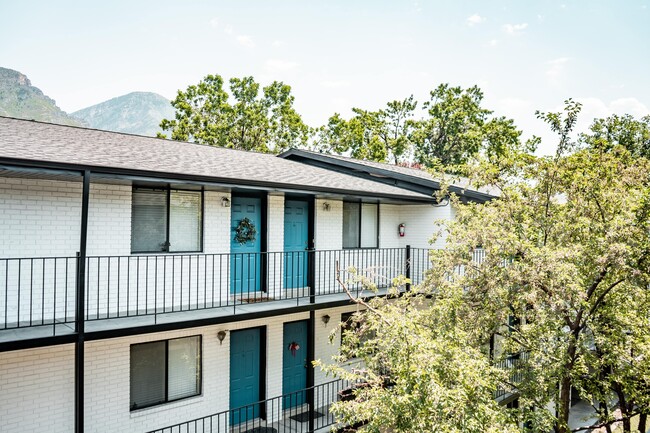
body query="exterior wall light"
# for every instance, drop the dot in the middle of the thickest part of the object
(221, 335)
(326, 207)
(325, 319)
(225, 202)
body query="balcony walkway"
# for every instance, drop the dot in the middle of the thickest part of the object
(225, 313)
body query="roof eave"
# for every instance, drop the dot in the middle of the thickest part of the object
(117, 171)
(298, 154)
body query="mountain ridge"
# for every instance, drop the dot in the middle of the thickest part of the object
(20, 99)
(134, 113)
(137, 112)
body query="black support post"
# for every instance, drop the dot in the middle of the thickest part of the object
(407, 266)
(311, 340)
(79, 310)
(311, 275)
(311, 346)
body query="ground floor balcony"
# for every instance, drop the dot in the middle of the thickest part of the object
(41, 296)
(307, 410)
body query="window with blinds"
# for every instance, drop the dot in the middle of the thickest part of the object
(166, 220)
(360, 225)
(165, 371)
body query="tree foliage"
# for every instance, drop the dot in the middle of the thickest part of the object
(244, 119)
(453, 129)
(420, 372)
(383, 135)
(563, 286)
(624, 131)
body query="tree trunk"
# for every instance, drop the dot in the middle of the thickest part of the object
(603, 406)
(564, 406)
(622, 404)
(643, 418)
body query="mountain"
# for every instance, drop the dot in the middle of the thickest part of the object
(136, 113)
(18, 98)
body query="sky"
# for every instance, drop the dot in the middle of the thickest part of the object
(524, 55)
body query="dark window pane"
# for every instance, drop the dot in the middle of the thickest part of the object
(351, 225)
(148, 220)
(147, 374)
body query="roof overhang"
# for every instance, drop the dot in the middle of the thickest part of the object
(14, 167)
(411, 183)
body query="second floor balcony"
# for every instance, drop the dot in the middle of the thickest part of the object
(38, 295)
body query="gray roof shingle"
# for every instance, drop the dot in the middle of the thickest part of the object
(459, 185)
(33, 141)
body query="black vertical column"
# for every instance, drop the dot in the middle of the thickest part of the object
(407, 266)
(310, 369)
(311, 340)
(79, 311)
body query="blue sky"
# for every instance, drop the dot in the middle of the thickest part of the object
(525, 55)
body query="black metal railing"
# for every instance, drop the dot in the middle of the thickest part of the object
(512, 364)
(288, 413)
(126, 286)
(37, 291)
(42, 291)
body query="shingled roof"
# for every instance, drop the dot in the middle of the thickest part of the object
(414, 179)
(28, 142)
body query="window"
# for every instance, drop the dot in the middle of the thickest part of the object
(164, 371)
(166, 220)
(360, 225)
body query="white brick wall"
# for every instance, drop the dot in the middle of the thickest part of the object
(39, 217)
(328, 225)
(420, 224)
(37, 390)
(216, 226)
(109, 220)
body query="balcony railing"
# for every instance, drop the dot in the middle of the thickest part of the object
(288, 413)
(512, 364)
(39, 292)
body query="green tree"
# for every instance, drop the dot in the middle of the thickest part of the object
(563, 285)
(263, 123)
(456, 128)
(567, 252)
(624, 130)
(421, 372)
(383, 135)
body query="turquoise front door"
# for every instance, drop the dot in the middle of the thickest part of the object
(244, 374)
(245, 258)
(294, 363)
(296, 232)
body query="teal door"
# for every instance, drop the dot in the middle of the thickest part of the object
(296, 230)
(244, 374)
(294, 363)
(245, 258)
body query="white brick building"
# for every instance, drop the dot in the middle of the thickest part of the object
(179, 320)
